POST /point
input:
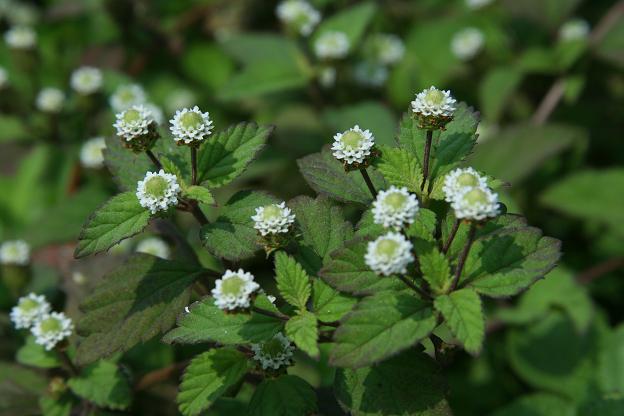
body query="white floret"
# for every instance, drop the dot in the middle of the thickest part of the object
(28, 310)
(20, 37)
(370, 74)
(299, 14)
(395, 208)
(127, 96)
(353, 145)
(15, 252)
(467, 43)
(92, 153)
(234, 290)
(154, 246)
(434, 102)
(86, 80)
(386, 48)
(477, 4)
(460, 178)
(476, 203)
(389, 254)
(332, 45)
(274, 353)
(273, 219)
(50, 100)
(133, 122)
(191, 125)
(575, 29)
(52, 328)
(158, 191)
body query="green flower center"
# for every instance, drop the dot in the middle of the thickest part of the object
(191, 120)
(131, 116)
(476, 196)
(28, 305)
(434, 97)
(467, 179)
(387, 247)
(395, 201)
(271, 212)
(156, 186)
(273, 347)
(232, 285)
(126, 95)
(51, 325)
(351, 140)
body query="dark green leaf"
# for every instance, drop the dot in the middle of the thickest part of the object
(292, 281)
(284, 396)
(302, 329)
(538, 404)
(103, 384)
(463, 313)
(611, 364)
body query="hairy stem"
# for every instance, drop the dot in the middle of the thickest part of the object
(154, 159)
(464, 255)
(426, 159)
(451, 237)
(415, 288)
(368, 181)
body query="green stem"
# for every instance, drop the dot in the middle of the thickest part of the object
(464, 255)
(426, 159)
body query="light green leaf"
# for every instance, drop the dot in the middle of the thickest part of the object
(538, 404)
(400, 168)
(611, 363)
(35, 355)
(208, 376)
(434, 266)
(463, 313)
(119, 218)
(292, 281)
(103, 384)
(328, 304)
(134, 303)
(495, 90)
(13, 129)
(352, 22)
(250, 48)
(201, 194)
(379, 327)
(201, 55)
(284, 396)
(302, 329)
(366, 227)
(424, 225)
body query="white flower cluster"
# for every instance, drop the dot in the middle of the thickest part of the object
(386, 48)
(4, 77)
(86, 80)
(353, 145)
(234, 290)
(50, 100)
(49, 328)
(332, 45)
(154, 246)
(91, 153)
(28, 310)
(460, 178)
(575, 29)
(158, 191)
(274, 353)
(190, 125)
(395, 208)
(469, 195)
(434, 102)
(127, 96)
(370, 74)
(20, 37)
(133, 122)
(389, 254)
(467, 43)
(477, 4)
(15, 252)
(299, 14)
(273, 219)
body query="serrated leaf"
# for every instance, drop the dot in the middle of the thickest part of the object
(366, 227)
(351, 21)
(292, 281)
(328, 304)
(119, 218)
(208, 376)
(326, 175)
(201, 194)
(226, 155)
(284, 396)
(302, 329)
(380, 326)
(207, 323)
(424, 225)
(232, 235)
(462, 312)
(35, 355)
(171, 167)
(400, 168)
(434, 266)
(347, 271)
(410, 384)
(134, 303)
(103, 384)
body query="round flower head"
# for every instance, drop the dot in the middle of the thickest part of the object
(274, 353)
(434, 108)
(353, 145)
(86, 80)
(273, 219)
(28, 310)
(389, 254)
(20, 37)
(158, 191)
(467, 43)
(234, 290)
(127, 96)
(156, 112)
(4, 78)
(575, 29)
(50, 100)
(477, 203)
(385, 48)
(154, 246)
(91, 153)
(136, 124)
(15, 252)
(460, 178)
(370, 74)
(395, 208)
(191, 125)
(327, 76)
(332, 45)
(477, 4)
(298, 15)
(52, 328)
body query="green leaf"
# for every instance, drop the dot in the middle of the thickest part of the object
(326, 175)
(228, 153)
(434, 266)
(12, 129)
(57, 406)
(424, 226)
(119, 218)
(292, 281)
(379, 327)
(603, 407)
(410, 384)
(35, 355)
(347, 271)
(538, 404)
(134, 303)
(103, 384)
(551, 13)
(206, 323)
(250, 48)
(611, 363)
(232, 235)
(495, 90)
(201, 194)
(201, 55)
(352, 22)
(284, 396)
(303, 330)
(328, 304)
(366, 227)
(369, 115)
(400, 168)
(463, 313)
(208, 376)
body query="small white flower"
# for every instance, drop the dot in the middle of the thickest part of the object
(353, 145)
(395, 208)
(154, 246)
(4, 78)
(370, 74)
(274, 353)
(271, 299)
(158, 191)
(434, 102)
(476, 203)
(327, 76)
(20, 37)
(389, 254)
(15, 252)
(273, 219)
(86, 80)
(332, 45)
(28, 310)
(467, 43)
(133, 122)
(156, 112)
(191, 125)
(52, 328)
(386, 48)
(91, 153)
(477, 4)
(299, 15)
(50, 100)
(458, 179)
(127, 96)
(575, 29)
(79, 278)
(234, 290)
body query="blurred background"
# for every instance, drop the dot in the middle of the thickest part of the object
(545, 75)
